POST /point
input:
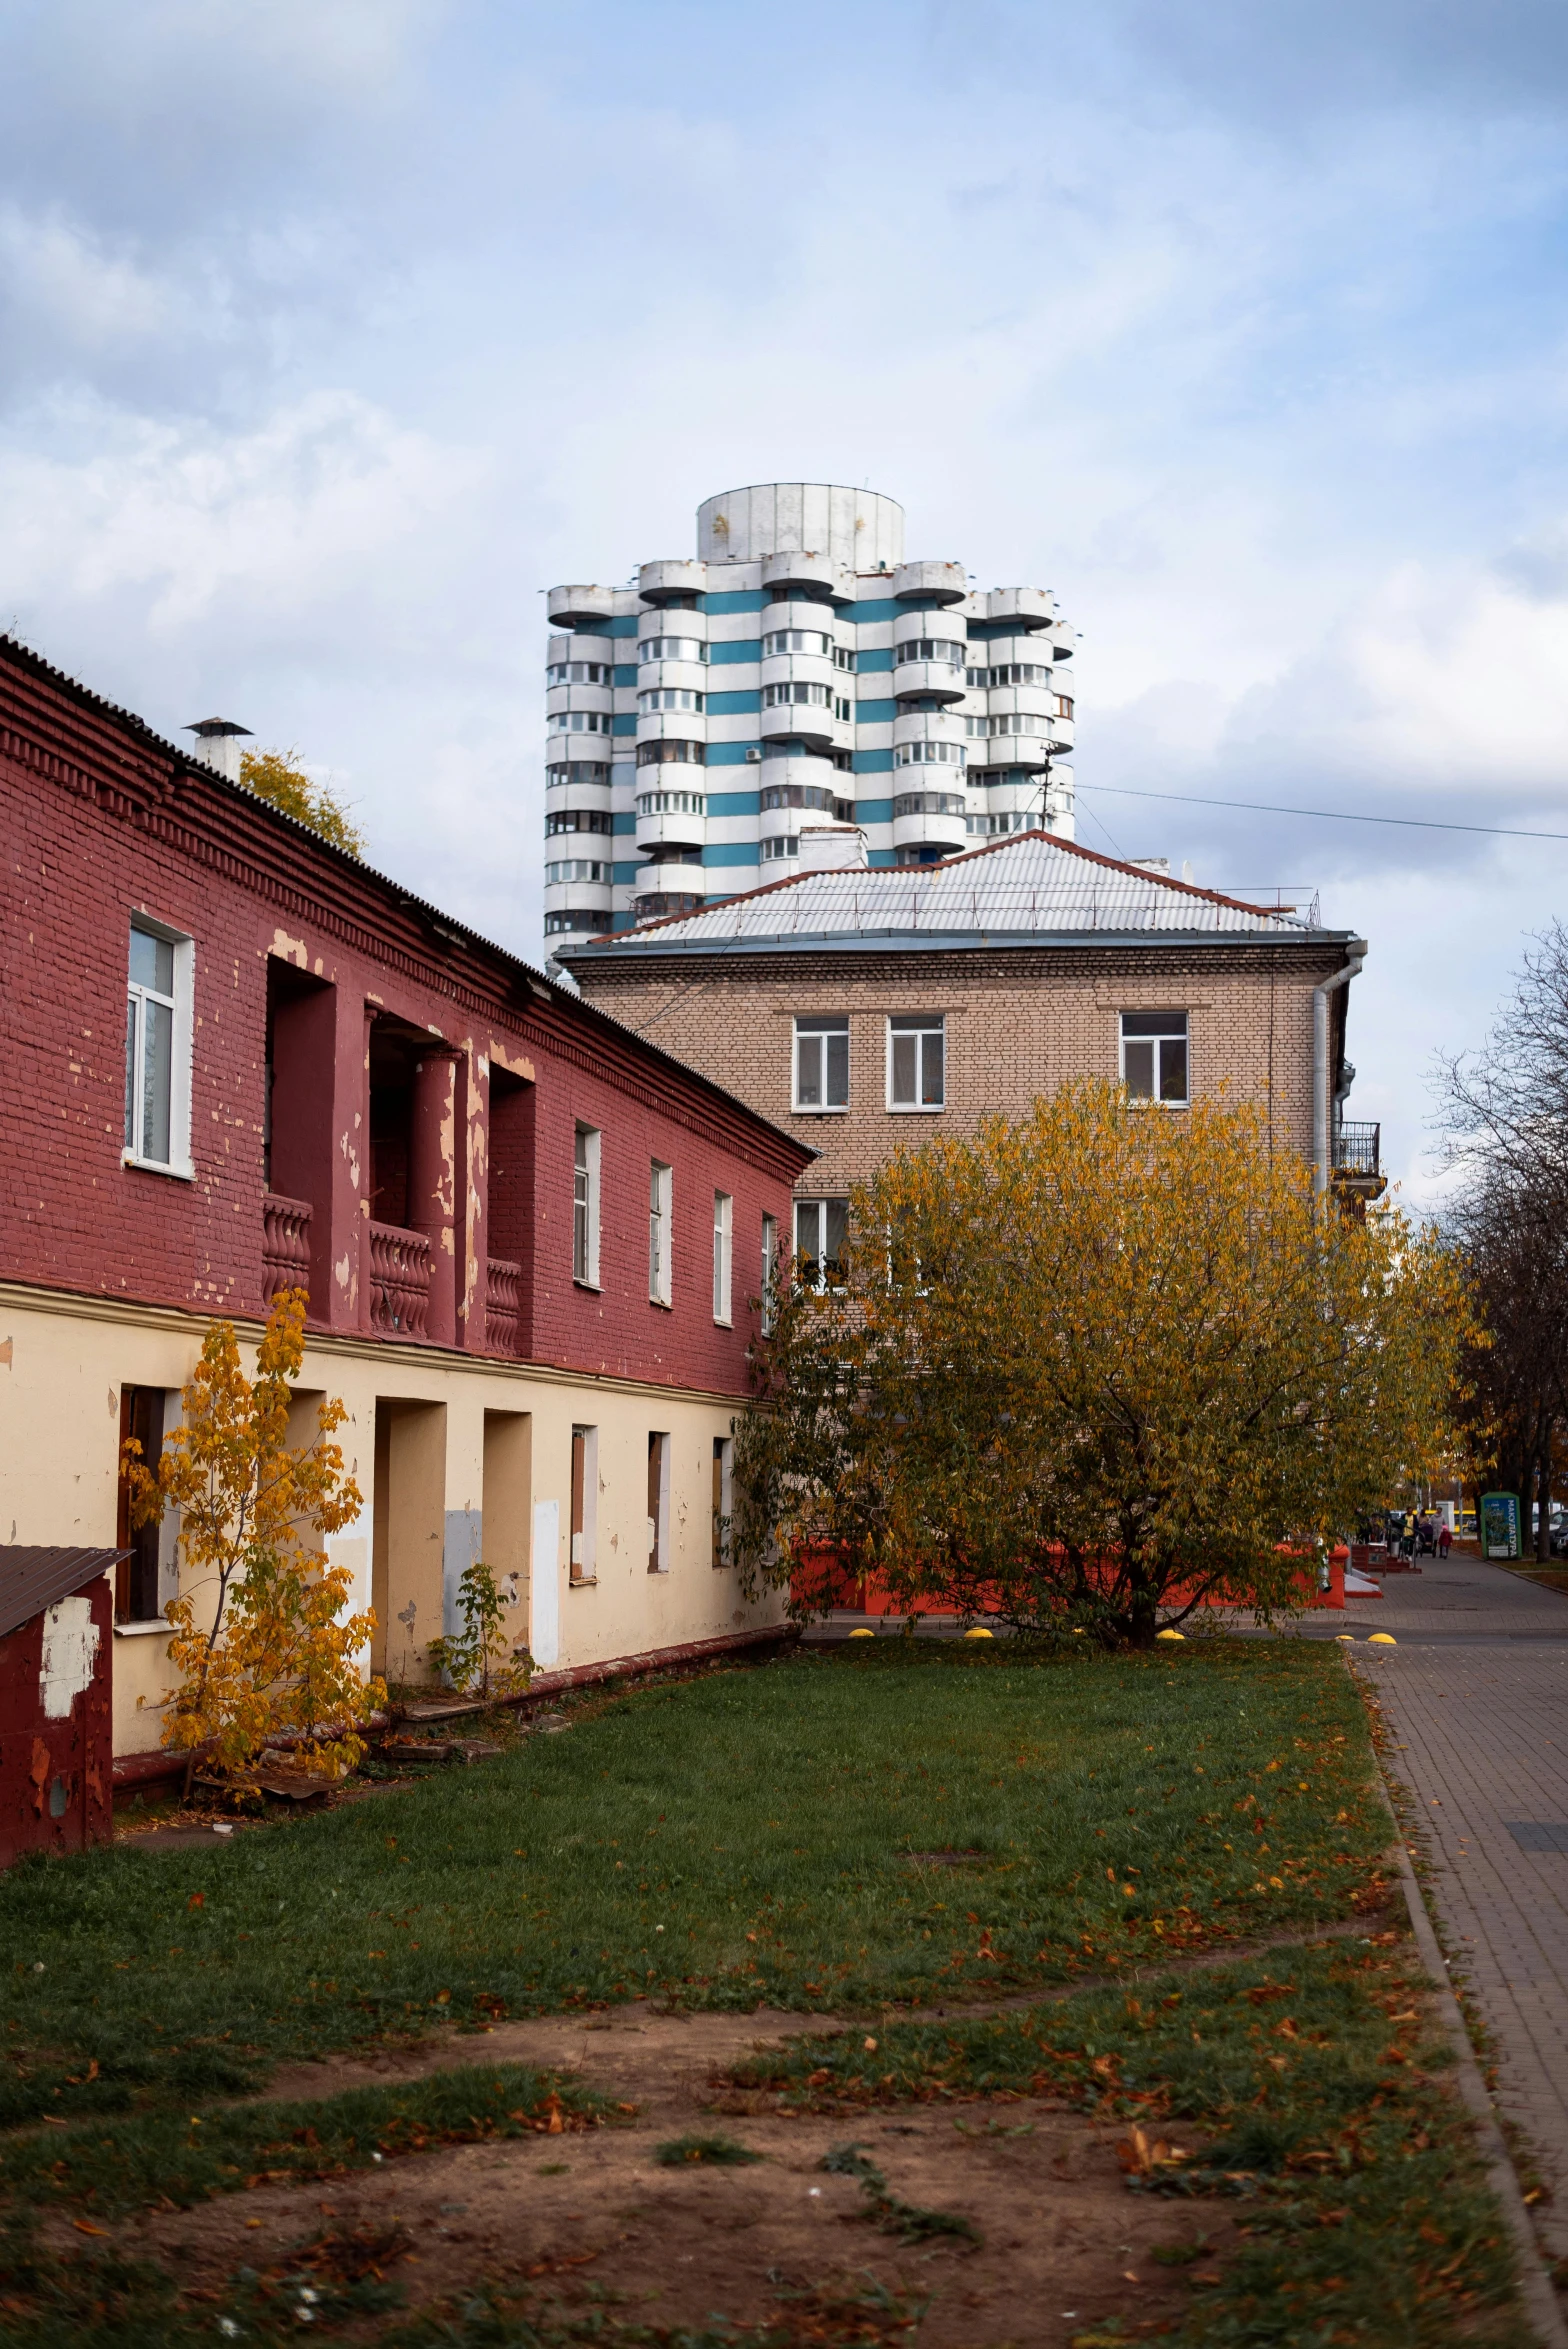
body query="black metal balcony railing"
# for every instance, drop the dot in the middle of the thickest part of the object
(1356, 1149)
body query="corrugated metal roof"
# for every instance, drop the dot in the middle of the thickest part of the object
(1032, 887)
(32, 1577)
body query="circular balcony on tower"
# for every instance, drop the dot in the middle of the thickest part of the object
(673, 636)
(576, 782)
(671, 712)
(930, 668)
(946, 583)
(786, 806)
(930, 818)
(799, 708)
(669, 584)
(669, 885)
(579, 734)
(671, 818)
(1027, 608)
(580, 695)
(575, 607)
(945, 726)
(797, 567)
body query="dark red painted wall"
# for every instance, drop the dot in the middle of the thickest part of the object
(99, 819)
(55, 1776)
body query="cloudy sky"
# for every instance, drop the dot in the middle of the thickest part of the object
(333, 331)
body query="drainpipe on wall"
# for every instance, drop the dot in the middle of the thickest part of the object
(1321, 1135)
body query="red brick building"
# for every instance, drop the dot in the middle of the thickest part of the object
(236, 1059)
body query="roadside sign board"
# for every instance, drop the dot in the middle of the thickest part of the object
(1500, 1525)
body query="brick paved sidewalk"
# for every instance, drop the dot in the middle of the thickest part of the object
(1475, 1696)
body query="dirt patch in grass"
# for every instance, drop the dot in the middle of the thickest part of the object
(567, 2223)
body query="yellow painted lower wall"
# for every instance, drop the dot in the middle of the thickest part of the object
(456, 1460)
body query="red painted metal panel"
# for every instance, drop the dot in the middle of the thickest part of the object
(55, 1773)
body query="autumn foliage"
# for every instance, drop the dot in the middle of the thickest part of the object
(1093, 1370)
(262, 1642)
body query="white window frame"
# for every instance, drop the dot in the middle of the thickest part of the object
(724, 1461)
(585, 1206)
(723, 1255)
(661, 1202)
(932, 1024)
(1157, 1099)
(181, 1005)
(659, 1525)
(806, 1030)
(583, 1542)
(817, 1255)
(770, 1273)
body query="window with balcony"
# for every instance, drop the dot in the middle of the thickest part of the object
(929, 803)
(575, 868)
(670, 753)
(821, 1236)
(779, 795)
(779, 846)
(588, 917)
(822, 1062)
(581, 722)
(797, 640)
(672, 648)
(158, 1027)
(583, 1536)
(1018, 673)
(939, 649)
(1154, 1056)
(661, 1182)
(929, 754)
(916, 1058)
(723, 1219)
(795, 690)
(671, 803)
(578, 819)
(1019, 722)
(669, 697)
(585, 1208)
(576, 771)
(658, 1504)
(579, 673)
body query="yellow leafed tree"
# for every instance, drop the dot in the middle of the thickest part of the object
(273, 775)
(1094, 1369)
(261, 1640)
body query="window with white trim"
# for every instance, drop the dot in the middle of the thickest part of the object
(672, 648)
(822, 1062)
(821, 1236)
(778, 697)
(1154, 1057)
(796, 640)
(723, 1222)
(660, 1191)
(723, 1497)
(578, 673)
(585, 1208)
(669, 697)
(585, 1504)
(158, 1048)
(658, 1504)
(770, 1273)
(916, 1054)
(580, 722)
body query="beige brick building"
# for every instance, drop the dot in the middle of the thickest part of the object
(864, 1010)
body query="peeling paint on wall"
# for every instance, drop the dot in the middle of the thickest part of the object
(70, 1649)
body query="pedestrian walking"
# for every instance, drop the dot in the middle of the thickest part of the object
(1445, 1539)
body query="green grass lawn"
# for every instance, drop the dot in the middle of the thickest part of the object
(737, 1838)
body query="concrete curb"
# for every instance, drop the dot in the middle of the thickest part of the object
(1542, 2307)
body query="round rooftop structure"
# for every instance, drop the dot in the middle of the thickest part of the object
(855, 527)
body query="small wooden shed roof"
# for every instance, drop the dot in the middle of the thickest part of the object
(33, 1576)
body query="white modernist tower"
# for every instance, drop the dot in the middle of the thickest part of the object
(798, 674)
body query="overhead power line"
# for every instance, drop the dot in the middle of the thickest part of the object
(1329, 815)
